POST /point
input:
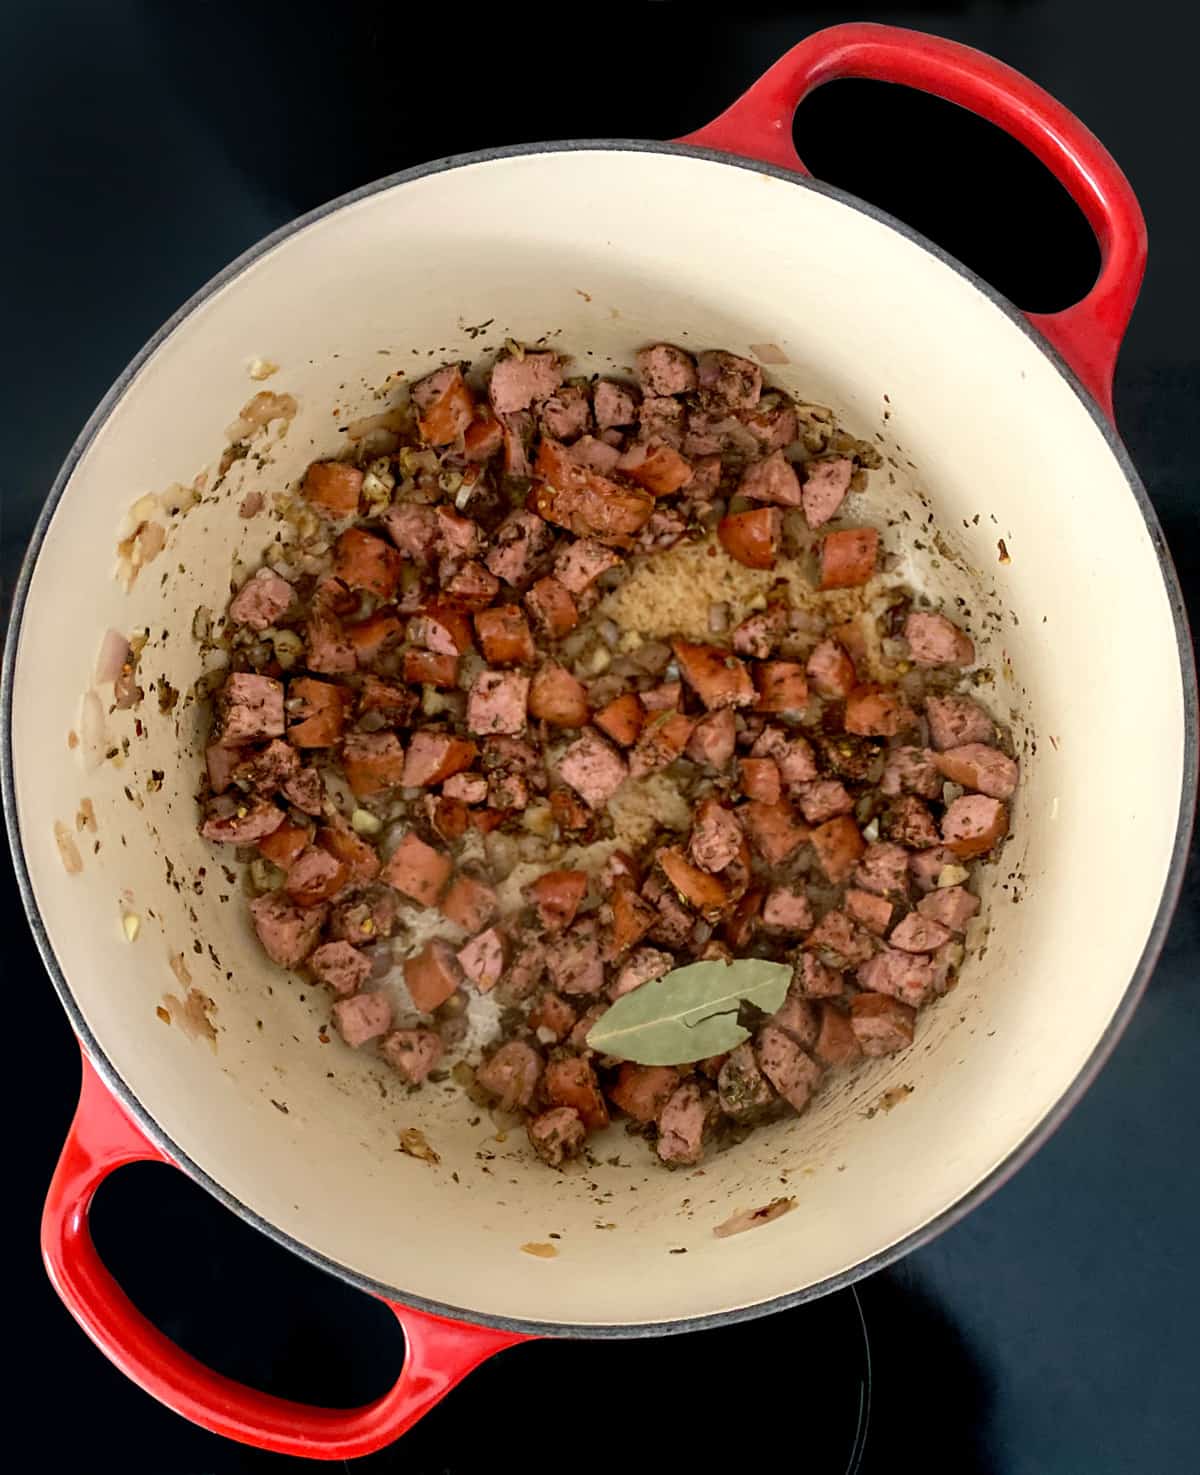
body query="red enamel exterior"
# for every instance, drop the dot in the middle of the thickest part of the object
(1088, 335)
(441, 1352)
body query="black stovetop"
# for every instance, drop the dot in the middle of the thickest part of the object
(146, 145)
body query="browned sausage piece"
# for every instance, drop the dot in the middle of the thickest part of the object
(831, 671)
(773, 830)
(759, 633)
(727, 381)
(952, 906)
(790, 1069)
(771, 480)
(574, 962)
(976, 766)
(743, 1092)
(716, 835)
(412, 1053)
(641, 1091)
(697, 887)
(904, 976)
(869, 910)
(643, 965)
(363, 1017)
(413, 528)
(660, 742)
(787, 911)
(517, 383)
(287, 932)
(848, 557)
(956, 720)
(498, 702)
(434, 757)
(797, 1017)
(418, 870)
(919, 934)
(593, 768)
(718, 678)
(249, 708)
(557, 1135)
(558, 697)
(504, 636)
(825, 486)
(518, 546)
(341, 966)
(824, 799)
(681, 1126)
(580, 564)
(881, 1025)
(782, 686)
(432, 975)
(838, 942)
(874, 711)
(973, 824)
(839, 845)
(373, 762)
(240, 822)
(262, 600)
(817, 979)
(552, 607)
(363, 561)
(556, 896)
(665, 369)
(622, 719)
(837, 1043)
(314, 876)
(911, 771)
(570, 1081)
(614, 404)
(511, 1074)
(482, 959)
(333, 487)
(759, 779)
(752, 538)
(713, 739)
(469, 903)
(936, 641)
(908, 821)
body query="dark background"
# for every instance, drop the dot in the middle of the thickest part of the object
(146, 144)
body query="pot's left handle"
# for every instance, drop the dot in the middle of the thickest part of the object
(439, 1352)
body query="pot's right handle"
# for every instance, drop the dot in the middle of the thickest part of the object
(438, 1354)
(759, 126)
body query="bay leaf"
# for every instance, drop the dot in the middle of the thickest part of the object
(689, 1013)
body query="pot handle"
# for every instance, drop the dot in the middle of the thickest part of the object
(439, 1353)
(1088, 335)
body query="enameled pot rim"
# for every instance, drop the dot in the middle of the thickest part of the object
(1020, 1153)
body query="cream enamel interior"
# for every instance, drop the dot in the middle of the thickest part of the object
(598, 247)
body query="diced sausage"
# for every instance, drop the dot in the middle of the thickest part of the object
(418, 871)
(837, 1044)
(365, 920)
(571, 1081)
(973, 824)
(557, 697)
(759, 634)
(412, 1053)
(574, 962)
(632, 918)
(581, 563)
(229, 822)
(596, 455)
(370, 638)
(328, 647)
(262, 600)
(714, 739)
(469, 788)
(507, 791)
(831, 671)
(484, 436)
(220, 763)
(664, 698)
(952, 906)
(789, 1068)
(743, 1092)
(793, 756)
(434, 757)
(911, 771)
(469, 903)
(881, 1025)
(552, 607)
(741, 924)
(771, 480)
(362, 1018)
(445, 404)
(665, 369)
(772, 422)
(752, 538)
(342, 967)
(517, 430)
(287, 932)
(727, 381)
(472, 585)
(315, 876)
(936, 641)
(919, 934)
(787, 911)
(782, 686)
(614, 404)
(304, 790)
(976, 766)
(556, 896)
(593, 768)
(504, 635)
(511, 1074)
(567, 413)
(482, 959)
(441, 627)
(818, 980)
(497, 702)
(874, 711)
(869, 910)
(681, 1126)
(825, 486)
(413, 528)
(900, 975)
(552, 1016)
(249, 709)
(520, 542)
(643, 965)
(457, 536)
(848, 557)
(907, 820)
(927, 866)
(590, 505)
(359, 858)
(716, 835)
(838, 942)
(557, 1135)
(773, 830)
(661, 419)
(373, 762)
(657, 467)
(517, 383)
(759, 779)
(284, 844)
(570, 813)
(839, 845)
(432, 975)
(698, 888)
(660, 742)
(955, 721)
(430, 667)
(333, 486)
(797, 1017)
(641, 1091)
(718, 678)
(363, 561)
(673, 924)
(622, 719)
(823, 799)
(706, 479)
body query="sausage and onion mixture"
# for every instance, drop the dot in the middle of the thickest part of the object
(469, 787)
